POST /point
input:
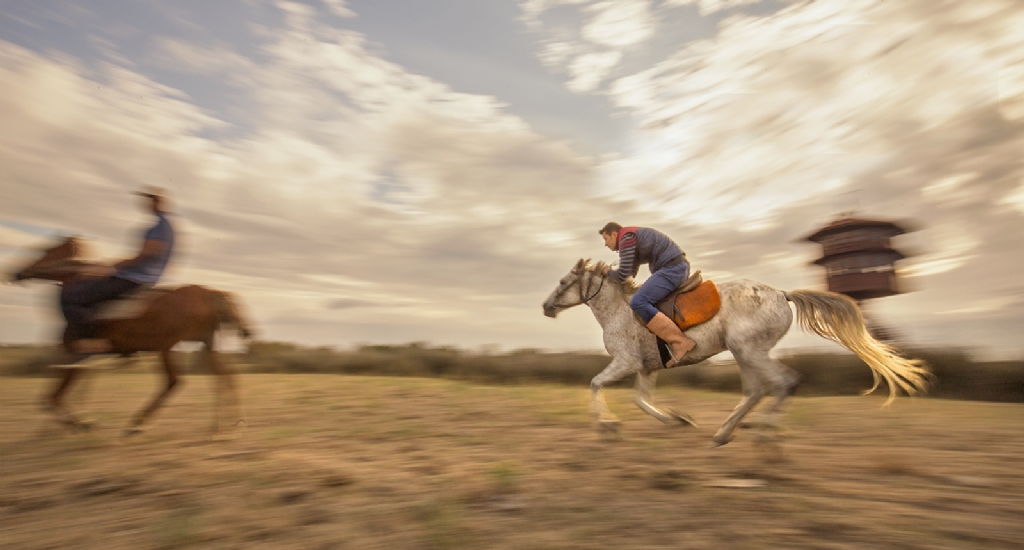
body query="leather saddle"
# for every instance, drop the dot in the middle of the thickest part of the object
(130, 305)
(696, 301)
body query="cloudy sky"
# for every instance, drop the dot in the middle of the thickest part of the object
(386, 171)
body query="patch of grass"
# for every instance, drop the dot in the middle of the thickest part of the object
(443, 522)
(278, 434)
(896, 465)
(506, 476)
(179, 527)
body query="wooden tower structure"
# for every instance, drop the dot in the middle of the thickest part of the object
(860, 262)
(858, 257)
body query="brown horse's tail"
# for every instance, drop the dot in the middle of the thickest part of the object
(229, 314)
(837, 318)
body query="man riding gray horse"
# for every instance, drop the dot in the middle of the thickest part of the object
(669, 268)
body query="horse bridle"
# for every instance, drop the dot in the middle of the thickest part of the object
(583, 293)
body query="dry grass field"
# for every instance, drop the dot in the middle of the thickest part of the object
(333, 461)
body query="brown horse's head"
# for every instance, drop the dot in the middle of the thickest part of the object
(58, 263)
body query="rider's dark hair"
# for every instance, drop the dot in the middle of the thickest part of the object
(610, 228)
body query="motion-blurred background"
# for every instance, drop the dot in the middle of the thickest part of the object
(378, 172)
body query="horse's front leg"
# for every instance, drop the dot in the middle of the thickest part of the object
(644, 398)
(55, 402)
(223, 384)
(616, 370)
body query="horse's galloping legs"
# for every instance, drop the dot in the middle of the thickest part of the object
(617, 369)
(224, 383)
(780, 379)
(172, 380)
(753, 391)
(56, 399)
(55, 402)
(644, 398)
(644, 395)
(784, 382)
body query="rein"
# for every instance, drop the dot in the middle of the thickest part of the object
(583, 294)
(594, 295)
(57, 268)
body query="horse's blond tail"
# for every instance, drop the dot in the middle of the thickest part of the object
(837, 318)
(230, 314)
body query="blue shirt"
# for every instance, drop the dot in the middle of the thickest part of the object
(148, 270)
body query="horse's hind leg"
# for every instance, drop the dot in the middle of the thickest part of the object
(780, 379)
(172, 380)
(644, 398)
(784, 382)
(753, 391)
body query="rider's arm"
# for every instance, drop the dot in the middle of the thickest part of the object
(150, 248)
(627, 259)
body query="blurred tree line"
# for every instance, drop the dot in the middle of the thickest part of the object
(956, 374)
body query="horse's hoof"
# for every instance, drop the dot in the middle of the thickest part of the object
(717, 442)
(72, 421)
(609, 423)
(132, 431)
(683, 418)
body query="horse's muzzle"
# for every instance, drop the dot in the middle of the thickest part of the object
(550, 311)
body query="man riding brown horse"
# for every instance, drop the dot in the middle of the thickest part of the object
(79, 298)
(189, 313)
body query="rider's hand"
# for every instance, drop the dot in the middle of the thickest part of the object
(97, 271)
(606, 269)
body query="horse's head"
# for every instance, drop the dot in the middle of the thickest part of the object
(571, 288)
(49, 265)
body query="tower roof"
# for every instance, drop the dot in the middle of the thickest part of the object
(846, 224)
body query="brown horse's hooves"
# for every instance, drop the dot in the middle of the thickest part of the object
(132, 431)
(72, 421)
(78, 425)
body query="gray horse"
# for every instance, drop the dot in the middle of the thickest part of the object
(753, 318)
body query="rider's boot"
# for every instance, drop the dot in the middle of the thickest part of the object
(667, 330)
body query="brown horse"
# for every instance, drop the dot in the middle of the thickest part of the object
(184, 314)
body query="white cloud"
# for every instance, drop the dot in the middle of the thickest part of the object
(619, 23)
(589, 70)
(708, 7)
(339, 8)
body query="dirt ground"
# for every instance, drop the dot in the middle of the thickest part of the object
(362, 462)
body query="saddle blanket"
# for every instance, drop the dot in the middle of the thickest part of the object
(696, 301)
(129, 306)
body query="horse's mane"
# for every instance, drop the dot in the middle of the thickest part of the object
(628, 286)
